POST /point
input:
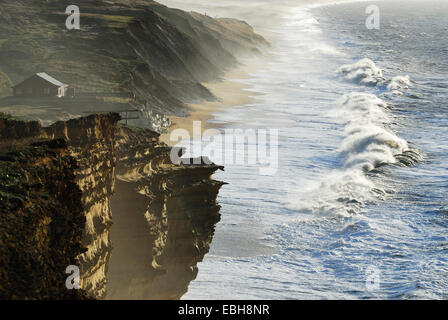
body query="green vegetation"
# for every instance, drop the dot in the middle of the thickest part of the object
(5, 115)
(112, 21)
(9, 116)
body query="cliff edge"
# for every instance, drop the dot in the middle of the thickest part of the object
(60, 187)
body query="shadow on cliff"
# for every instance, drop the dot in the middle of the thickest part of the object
(164, 220)
(63, 187)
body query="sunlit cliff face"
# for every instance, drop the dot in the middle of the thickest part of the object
(65, 186)
(147, 56)
(164, 220)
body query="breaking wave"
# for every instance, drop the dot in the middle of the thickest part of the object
(366, 72)
(339, 193)
(363, 72)
(368, 144)
(399, 83)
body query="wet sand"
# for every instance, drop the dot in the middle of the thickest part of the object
(230, 92)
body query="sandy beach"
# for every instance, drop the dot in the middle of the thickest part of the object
(230, 92)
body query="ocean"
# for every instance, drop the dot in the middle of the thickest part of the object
(358, 208)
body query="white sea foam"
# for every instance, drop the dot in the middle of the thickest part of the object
(361, 107)
(304, 24)
(368, 143)
(364, 72)
(338, 193)
(399, 83)
(367, 147)
(326, 258)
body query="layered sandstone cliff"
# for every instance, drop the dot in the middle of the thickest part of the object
(166, 216)
(85, 148)
(58, 206)
(41, 222)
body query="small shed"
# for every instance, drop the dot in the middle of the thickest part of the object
(41, 85)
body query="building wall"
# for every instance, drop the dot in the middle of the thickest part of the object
(37, 87)
(36, 92)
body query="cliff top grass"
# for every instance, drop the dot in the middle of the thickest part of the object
(8, 116)
(113, 21)
(5, 115)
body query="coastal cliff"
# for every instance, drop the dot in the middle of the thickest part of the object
(166, 216)
(59, 201)
(137, 54)
(86, 191)
(41, 222)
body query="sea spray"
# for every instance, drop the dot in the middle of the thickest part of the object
(399, 82)
(338, 193)
(328, 257)
(363, 72)
(368, 143)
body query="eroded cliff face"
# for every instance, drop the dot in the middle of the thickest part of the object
(86, 154)
(92, 142)
(41, 222)
(165, 216)
(65, 186)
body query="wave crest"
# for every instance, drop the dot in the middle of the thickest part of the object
(368, 143)
(399, 83)
(363, 72)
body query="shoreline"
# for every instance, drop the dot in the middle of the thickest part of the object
(230, 92)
